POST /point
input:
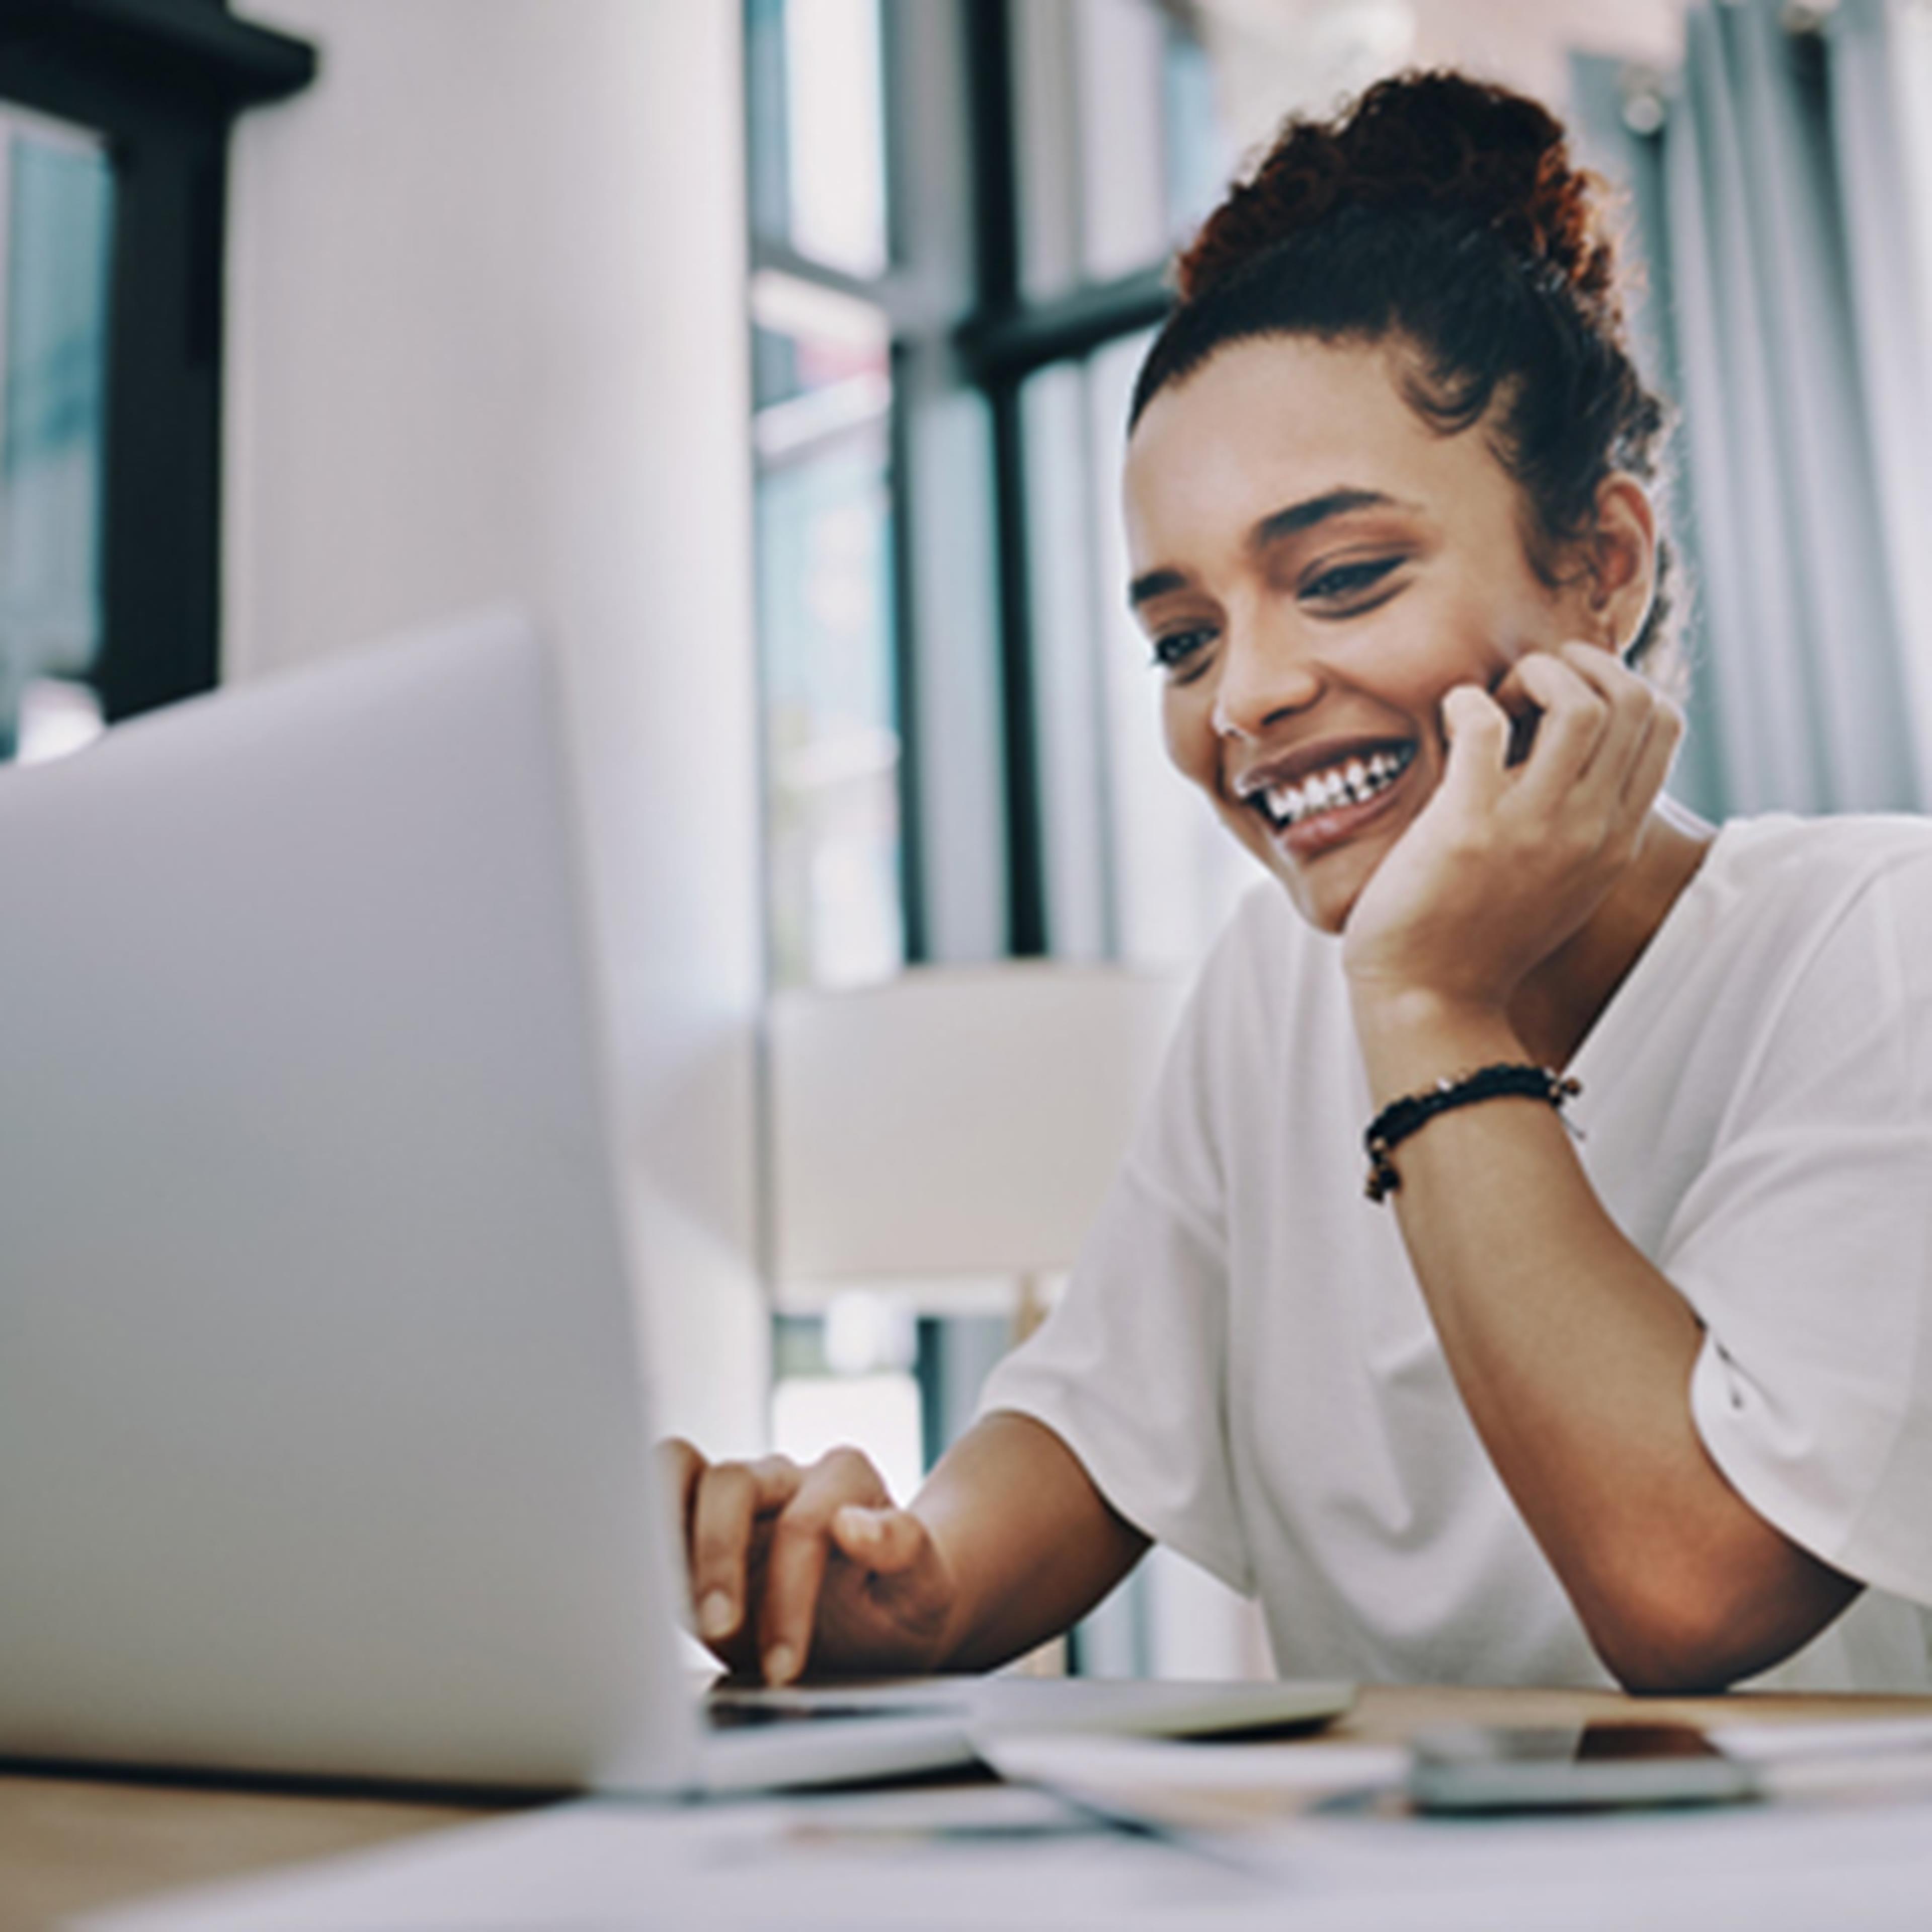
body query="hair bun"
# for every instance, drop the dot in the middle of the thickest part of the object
(1431, 141)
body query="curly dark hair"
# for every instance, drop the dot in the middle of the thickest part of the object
(1444, 212)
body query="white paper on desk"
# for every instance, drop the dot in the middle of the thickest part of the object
(857, 1864)
(1861, 1758)
(1178, 1786)
(1840, 1738)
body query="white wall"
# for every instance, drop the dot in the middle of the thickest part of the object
(486, 340)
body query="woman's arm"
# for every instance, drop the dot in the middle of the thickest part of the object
(1573, 1353)
(1574, 1356)
(1007, 1543)
(1032, 1544)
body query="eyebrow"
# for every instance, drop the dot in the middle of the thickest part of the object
(1155, 583)
(1304, 516)
(1288, 522)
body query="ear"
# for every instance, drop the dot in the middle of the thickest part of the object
(1620, 560)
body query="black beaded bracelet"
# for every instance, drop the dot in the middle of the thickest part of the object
(1401, 1118)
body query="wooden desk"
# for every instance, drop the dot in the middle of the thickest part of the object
(70, 1844)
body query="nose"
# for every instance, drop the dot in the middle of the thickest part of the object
(1265, 677)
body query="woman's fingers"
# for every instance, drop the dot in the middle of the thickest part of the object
(1477, 729)
(1560, 719)
(800, 1546)
(731, 1498)
(1596, 725)
(1634, 703)
(1632, 758)
(1573, 718)
(1649, 728)
(1548, 780)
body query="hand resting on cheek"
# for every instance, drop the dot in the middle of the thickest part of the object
(1512, 855)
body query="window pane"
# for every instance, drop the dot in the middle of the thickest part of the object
(847, 1377)
(1122, 48)
(831, 718)
(1045, 94)
(1200, 154)
(818, 129)
(876, 1414)
(1121, 149)
(1068, 693)
(820, 362)
(56, 203)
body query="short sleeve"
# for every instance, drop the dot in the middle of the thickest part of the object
(1129, 1369)
(1805, 1248)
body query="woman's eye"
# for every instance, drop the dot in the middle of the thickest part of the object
(1346, 581)
(1173, 649)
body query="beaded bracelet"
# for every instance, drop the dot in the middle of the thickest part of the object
(1401, 1118)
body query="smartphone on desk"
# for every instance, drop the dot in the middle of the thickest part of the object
(1466, 1769)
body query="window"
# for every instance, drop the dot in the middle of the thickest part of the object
(822, 392)
(56, 221)
(822, 396)
(111, 227)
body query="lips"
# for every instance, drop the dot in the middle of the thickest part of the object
(1303, 787)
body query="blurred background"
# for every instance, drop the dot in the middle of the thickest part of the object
(775, 354)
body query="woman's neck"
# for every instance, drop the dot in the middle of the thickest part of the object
(1555, 1007)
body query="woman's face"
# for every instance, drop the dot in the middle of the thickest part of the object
(1316, 566)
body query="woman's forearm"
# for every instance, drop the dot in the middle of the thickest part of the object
(1031, 1544)
(1574, 1355)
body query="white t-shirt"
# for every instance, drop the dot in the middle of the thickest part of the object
(1244, 1364)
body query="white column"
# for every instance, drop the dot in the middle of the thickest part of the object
(486, 342)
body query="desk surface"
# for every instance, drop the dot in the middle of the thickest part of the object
(69, 1844)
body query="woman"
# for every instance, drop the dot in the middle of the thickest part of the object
(1623, 1371)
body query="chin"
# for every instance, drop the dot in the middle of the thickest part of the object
(1324, 912)
(1324, 903)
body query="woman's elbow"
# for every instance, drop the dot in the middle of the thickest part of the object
(1673, 1662)
(1699, 1630)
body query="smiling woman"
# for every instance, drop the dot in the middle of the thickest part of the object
(1652, 1403)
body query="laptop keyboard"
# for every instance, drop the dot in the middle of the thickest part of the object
(730, 1714)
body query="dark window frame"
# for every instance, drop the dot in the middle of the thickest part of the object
(161, 81)
(1008, 338)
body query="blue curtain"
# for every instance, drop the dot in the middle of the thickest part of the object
(1772, 203)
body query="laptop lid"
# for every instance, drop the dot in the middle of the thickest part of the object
(321, 1441)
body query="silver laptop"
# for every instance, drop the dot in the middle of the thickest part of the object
(323, 1442)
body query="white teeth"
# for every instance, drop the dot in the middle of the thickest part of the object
(1353, 783)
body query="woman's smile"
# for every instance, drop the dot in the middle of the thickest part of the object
(1319, 797)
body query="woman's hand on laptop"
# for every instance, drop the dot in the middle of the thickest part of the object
(791, 1566)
